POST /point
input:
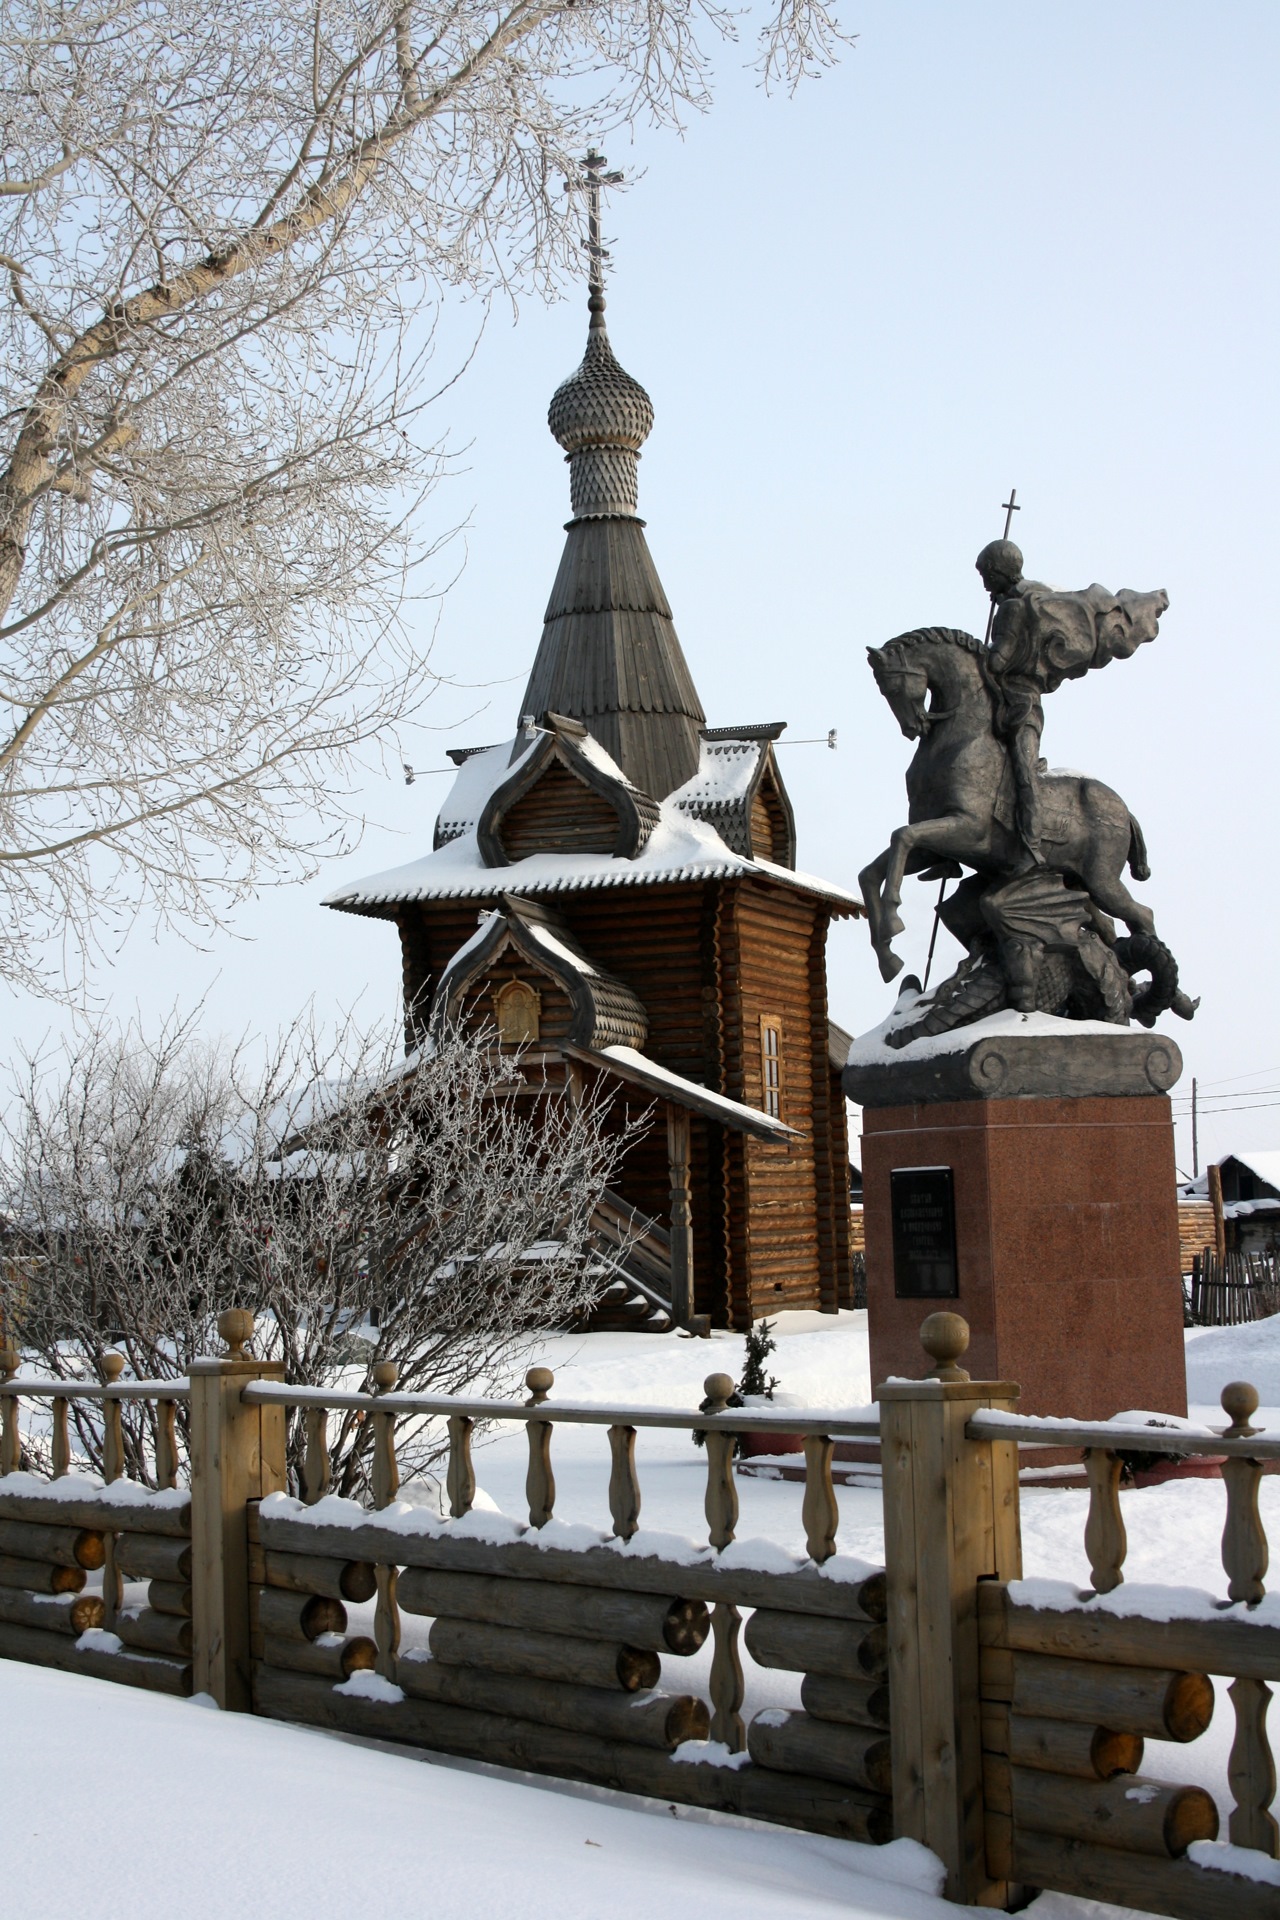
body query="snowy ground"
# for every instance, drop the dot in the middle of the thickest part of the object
(216, 1812)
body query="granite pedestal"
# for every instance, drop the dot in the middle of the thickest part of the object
(1066, 1256)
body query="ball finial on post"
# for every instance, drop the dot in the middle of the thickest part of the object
(719, 1388)
(944, 1337)
(1239, 1402)
(235, 1326)
(539, 1381)
(384, 1374)
(112, 1366)
(10, 1361)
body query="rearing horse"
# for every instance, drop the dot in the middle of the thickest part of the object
(960, 797)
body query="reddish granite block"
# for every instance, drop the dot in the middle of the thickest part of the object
(1067, 1245)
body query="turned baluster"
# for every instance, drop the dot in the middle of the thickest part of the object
(1244, 1539)
(721, 1506)
(386, 1481)
(10, 1439)
(166, 1443)
(112, 1423)
(61, 1439)
(540, 1484)
(317, 1470)
(819, 1512)
(624, 1486)
(1251, 1768)
(461, 1479)
(727, 1686)
(1105, 1540)
(386, 1471)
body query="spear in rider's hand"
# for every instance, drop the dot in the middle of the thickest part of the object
(1011, 507)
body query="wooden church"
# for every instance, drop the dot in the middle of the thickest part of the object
(613, 892)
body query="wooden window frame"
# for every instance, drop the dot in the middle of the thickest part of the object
(771, 1082)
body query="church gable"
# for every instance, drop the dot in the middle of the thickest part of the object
(559, 813)
(564, 795)
(523, 977)
(738, 790)
(772, 825)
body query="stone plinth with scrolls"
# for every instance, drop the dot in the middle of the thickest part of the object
(1026, 1176)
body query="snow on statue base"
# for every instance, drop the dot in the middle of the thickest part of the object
(1048, 1219)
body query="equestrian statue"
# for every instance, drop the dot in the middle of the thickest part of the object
(1045, 852)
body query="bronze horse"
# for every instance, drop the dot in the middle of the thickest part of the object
(960, 799)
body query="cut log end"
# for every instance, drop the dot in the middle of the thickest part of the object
(358, 1581)
(1114, 1753)
(1188, 1706)
(90, 1549)
(1190, 1816)
(87, 1612)
(638, 1669)
(686, 1627)
(320, 1615)
(688, 1718)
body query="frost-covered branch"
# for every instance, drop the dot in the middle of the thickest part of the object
(435, 1212)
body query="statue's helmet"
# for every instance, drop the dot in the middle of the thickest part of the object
(1000, 560)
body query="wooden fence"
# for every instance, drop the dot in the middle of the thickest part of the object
(1232, 1291)
(999, 1722)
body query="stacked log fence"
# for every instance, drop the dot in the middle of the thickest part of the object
(566, 1659)
(1072, 1686)
(133, 1542)
(1005, 1724)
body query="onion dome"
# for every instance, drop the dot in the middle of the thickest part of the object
(602, 418)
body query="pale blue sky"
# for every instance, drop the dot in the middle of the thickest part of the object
(1000, 245)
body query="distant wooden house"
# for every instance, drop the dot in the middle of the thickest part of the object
(1249, 1188)
(614, 892)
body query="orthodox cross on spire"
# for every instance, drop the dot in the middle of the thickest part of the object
(594, 177)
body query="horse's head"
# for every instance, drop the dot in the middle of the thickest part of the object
(940, 662)
(903, 678)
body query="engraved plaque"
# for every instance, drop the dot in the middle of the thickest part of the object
(924, 1233)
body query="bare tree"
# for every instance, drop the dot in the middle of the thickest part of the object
(435, 1211)
(216, 226)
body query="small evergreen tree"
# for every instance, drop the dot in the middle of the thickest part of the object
(760, 1344)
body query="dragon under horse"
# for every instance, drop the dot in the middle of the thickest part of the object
(1036, 911)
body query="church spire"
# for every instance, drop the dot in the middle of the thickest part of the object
(609, 654)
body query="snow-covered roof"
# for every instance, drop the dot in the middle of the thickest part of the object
(1261, 1162)
(724, 774)
(679, 848)
(474, 781)
(637, 1067)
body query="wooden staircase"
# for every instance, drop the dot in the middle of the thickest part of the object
(636, 1253)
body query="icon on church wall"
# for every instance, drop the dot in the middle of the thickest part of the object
(519, 1008)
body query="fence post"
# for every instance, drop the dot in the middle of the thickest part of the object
(950, 1521)
(237, 1455)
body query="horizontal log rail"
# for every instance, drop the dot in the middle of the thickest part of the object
(16, 1389)
(860, 1424)
(1034, 1430)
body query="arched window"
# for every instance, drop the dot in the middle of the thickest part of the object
(518, 1007)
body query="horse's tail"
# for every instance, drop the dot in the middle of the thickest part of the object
(1137, 852)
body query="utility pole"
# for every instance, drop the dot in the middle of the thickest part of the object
(1195, 1131)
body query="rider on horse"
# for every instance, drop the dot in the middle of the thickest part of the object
(1039, 638)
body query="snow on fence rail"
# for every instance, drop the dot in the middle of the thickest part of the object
(1072, 1682)
(548, 1640)
(999, 1721)
(55, 1534)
